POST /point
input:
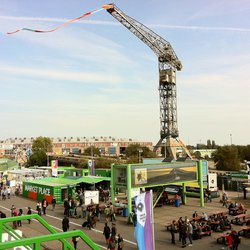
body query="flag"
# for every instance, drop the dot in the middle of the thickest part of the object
(144, 221)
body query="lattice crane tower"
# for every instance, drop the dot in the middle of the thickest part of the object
(168, 65)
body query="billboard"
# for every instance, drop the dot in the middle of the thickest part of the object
(121, 176)
(157, 174)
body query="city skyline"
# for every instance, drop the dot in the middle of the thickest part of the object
(93, 77)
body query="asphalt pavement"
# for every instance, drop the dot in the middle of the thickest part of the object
(162, 216)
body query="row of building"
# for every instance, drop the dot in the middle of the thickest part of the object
(73, 145)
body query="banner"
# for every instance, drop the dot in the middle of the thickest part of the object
(91, 164)
(144, 234)
(54, 166)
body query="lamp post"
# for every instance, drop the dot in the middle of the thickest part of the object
(231, 139)
(140, 151)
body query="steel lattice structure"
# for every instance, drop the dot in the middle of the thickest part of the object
(168, 65)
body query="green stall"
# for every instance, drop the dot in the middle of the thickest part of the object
(60, 188)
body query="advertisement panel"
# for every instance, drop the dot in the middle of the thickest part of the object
(91, 197)
(37, 192)
(163, 173)
(120, 176)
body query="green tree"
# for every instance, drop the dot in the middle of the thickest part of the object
(227, 158)
(40, 147)
(197, 155)
(92, 151)
(134, 151)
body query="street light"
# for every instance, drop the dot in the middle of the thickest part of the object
(231, 139)
(140, 151)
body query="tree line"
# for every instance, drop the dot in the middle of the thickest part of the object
(227, 157)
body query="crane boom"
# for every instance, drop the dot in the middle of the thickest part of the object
(168, 65)
(160, 46)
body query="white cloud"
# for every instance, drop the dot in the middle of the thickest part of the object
(86, 77)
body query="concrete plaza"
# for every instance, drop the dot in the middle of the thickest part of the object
(162, 216)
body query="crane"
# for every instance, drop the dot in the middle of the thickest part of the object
(168, 63)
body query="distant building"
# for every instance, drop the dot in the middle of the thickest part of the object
(73, 145)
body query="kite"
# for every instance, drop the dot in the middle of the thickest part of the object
(63, 24)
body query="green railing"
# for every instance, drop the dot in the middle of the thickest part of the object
(35, 242)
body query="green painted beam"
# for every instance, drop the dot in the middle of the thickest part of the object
(13, 233)
(45, 238)
(39, 239)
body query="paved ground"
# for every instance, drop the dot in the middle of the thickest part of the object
(162, 215)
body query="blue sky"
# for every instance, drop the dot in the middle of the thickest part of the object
(95, 78)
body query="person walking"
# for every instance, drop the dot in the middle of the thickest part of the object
(65, 223)
(106, 232)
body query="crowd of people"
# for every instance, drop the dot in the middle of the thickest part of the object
(91, 215)
(191, 229)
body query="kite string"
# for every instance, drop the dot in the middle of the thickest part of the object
(65, 23)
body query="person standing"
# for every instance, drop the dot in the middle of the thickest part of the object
(113, 230)
(106, 232)
(98, 212)
(66, 207)
(65, 224)
(236, 240)
(4, 194)
(120, 242)
(44, 205)
(8, 192)
(75, 240)
(224, 199)
(29, 212)
(14, 214)
(184, 233)
(112, 212)
(19, 222)
(229, 241)
(173, 230)
(112, 243)
(53, 203)
(12, 209)
(190, 233)
(180, 223)
(39, 208)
